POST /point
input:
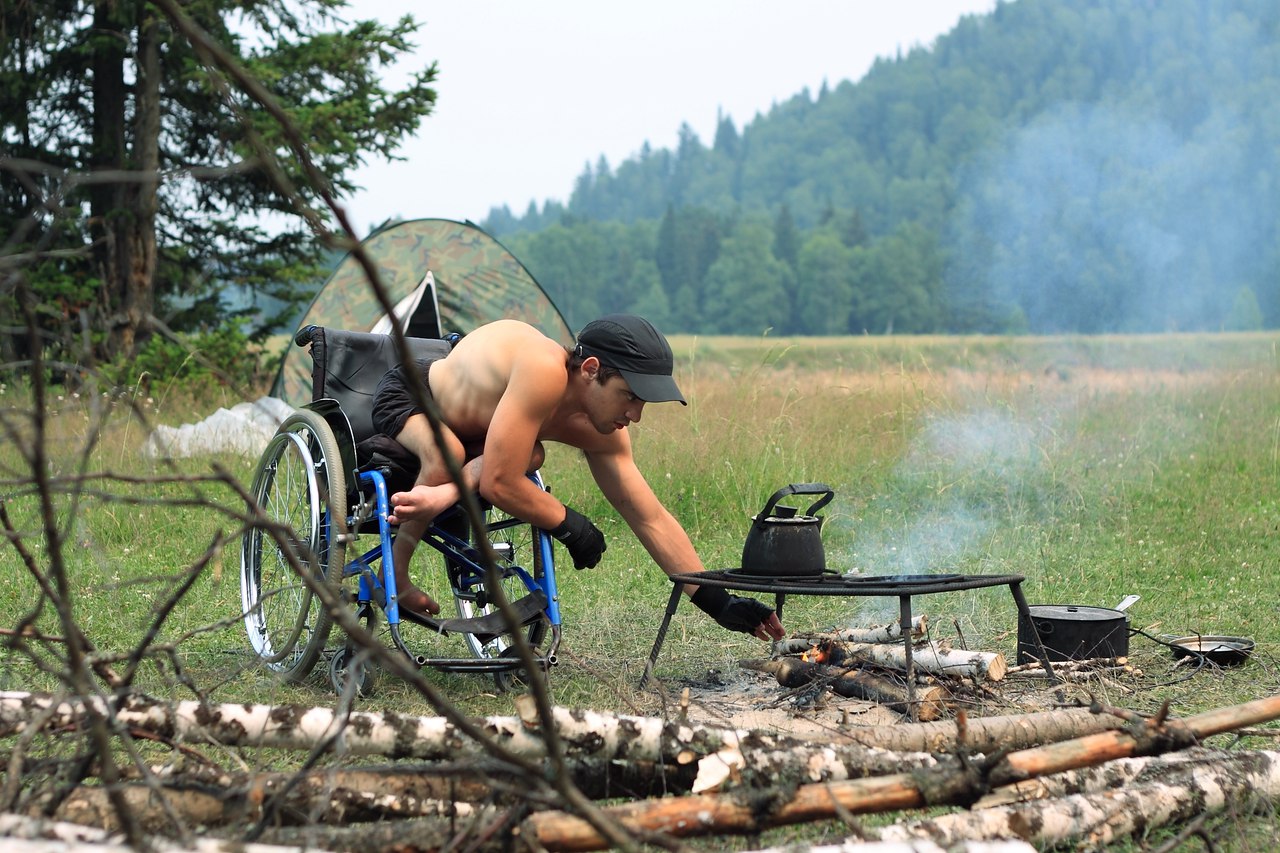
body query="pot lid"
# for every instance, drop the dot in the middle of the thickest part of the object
(1075, 612)
(785, 519)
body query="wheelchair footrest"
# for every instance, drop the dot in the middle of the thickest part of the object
(485, 628)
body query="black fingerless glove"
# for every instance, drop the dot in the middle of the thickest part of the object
(583, 539)
(731, 612)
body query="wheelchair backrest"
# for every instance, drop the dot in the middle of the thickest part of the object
(347, 367)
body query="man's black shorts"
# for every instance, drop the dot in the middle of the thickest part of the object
(393, 401)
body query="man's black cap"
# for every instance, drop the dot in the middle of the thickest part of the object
(633, 347)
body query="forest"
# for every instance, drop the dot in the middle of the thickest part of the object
(1051, 167)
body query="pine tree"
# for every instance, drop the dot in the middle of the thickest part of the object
(165, 134)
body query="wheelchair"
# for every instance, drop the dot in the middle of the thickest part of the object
(325, 478)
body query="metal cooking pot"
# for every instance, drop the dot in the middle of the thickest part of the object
(1075, 632)
(784, 543)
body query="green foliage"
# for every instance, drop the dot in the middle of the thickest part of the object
(221, 357)
(119, 88)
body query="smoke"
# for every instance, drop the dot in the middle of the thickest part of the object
(1089, 219)
(967, 480)
(963, 478)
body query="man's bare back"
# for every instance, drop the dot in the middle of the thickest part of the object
(471, 384)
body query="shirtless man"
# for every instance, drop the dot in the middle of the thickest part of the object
(503, 390)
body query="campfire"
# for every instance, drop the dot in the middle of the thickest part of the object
(931, 681)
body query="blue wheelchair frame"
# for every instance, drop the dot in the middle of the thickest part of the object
(381, 593)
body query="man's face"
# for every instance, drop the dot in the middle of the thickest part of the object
(611, 406)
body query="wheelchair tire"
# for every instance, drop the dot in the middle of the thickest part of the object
(515, 543)
(301, 487)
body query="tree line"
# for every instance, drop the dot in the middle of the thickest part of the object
(1051, 166)
(1098, 166)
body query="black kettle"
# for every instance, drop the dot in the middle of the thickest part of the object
(782, 543)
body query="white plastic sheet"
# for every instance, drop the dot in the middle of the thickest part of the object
(244, 428)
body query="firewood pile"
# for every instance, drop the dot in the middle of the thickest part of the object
(933, 681)
(1070, 775)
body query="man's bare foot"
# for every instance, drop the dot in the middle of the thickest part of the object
(422, 503)
(409, 597)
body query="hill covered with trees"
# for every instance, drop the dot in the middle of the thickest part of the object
(1053, 166)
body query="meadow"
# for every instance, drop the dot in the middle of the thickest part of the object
(1095, 467)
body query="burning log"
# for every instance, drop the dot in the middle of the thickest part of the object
(855, 684)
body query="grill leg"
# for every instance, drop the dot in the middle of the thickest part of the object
(904, 614)
(1024, 612)
(672, 604)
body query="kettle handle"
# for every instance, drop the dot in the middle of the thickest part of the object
(800, 489)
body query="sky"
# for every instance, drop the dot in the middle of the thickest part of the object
(529, 93)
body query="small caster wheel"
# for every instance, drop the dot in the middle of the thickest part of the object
(512, 679)
(344, 668)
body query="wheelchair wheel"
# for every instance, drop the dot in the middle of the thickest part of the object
(514, 543)
(301, 488)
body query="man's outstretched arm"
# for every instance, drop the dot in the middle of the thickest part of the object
(669, 545)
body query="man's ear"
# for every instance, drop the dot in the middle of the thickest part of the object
(590, 367)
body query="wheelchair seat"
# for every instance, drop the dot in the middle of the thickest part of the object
(347, 367)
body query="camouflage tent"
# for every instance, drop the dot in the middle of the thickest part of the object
(442, 276)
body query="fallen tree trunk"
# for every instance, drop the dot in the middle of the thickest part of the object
(30, 835)
(599, 747)
(987, 734)
(1104, 746)
(1109, 775)
(353, 796)
(1237, 781)
(793, 672)
(950, 784)
(586, 734)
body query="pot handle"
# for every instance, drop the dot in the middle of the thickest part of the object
(800, 489)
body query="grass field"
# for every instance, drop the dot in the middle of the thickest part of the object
(1096, 467)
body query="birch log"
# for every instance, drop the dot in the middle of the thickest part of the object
(913, 846)
(1111, 775)
(1236, 781)
(321, 796)
(891, 633)
(704, 814)
(588, 735)
(20, 834)
(987, 734)
(930, 657)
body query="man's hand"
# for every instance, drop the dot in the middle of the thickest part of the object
(583, 539)
(736, 613)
